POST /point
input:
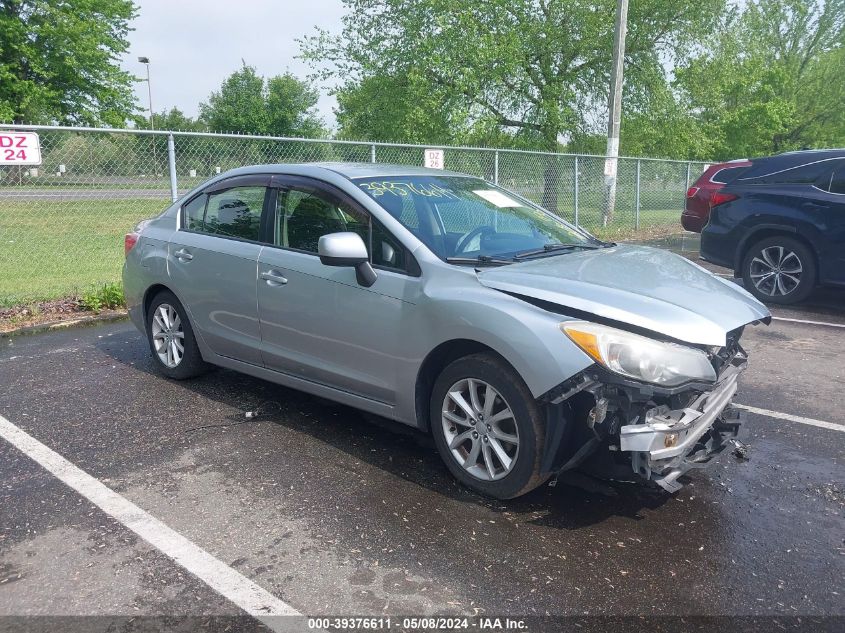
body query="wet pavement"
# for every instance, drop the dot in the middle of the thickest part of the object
(338, 514)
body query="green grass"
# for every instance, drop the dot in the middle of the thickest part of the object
(51, 249)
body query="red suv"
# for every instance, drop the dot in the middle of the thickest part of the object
(705, 192)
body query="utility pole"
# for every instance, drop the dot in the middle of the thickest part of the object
(614, 108)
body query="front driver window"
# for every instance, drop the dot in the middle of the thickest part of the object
(302, 217)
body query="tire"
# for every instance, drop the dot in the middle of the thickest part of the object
(780, 270)
(489, 474)
(170, 312)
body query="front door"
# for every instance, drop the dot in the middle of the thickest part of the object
(212, 265)
(317, 322)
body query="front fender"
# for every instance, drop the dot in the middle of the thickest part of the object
(527, 336)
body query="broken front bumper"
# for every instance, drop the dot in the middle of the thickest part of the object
(667, 443)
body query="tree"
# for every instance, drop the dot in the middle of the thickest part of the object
(773, 81)
(175, 119)
(280, 106)
(537, 66)
(59, 61)
(398, 109)
(290, 107)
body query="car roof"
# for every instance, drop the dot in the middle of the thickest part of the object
(347, 170)
(766, 166)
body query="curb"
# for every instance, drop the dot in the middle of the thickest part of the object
(93, 319)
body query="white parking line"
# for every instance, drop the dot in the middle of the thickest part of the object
(223, 579)
(792, 418)
(842, 325)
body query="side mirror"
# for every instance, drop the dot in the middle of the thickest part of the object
(347, 249)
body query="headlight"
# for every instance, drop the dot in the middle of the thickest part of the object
(640, 357)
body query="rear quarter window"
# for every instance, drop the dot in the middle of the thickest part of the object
(727, 175)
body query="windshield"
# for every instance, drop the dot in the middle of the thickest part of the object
(461, 217)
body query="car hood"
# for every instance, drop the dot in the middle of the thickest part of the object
(636, 285)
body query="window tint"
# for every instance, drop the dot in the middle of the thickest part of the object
(235, 212)
(303, 217)
(728, 174)
(193, 212)
(803, 174)
(837, 180)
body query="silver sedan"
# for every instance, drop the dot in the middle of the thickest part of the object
(524, 345)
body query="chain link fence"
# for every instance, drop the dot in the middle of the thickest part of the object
(62, 222)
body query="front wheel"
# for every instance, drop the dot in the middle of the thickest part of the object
(779, 269)
(487, 427)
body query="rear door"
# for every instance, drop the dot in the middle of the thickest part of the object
(317, 321)
(212, 265)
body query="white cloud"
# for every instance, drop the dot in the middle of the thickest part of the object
(193, 45)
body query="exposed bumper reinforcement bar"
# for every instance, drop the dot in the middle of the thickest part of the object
(668, 443)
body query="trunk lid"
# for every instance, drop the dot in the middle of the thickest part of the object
(645, 287)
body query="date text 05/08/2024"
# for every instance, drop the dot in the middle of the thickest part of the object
(422, 623)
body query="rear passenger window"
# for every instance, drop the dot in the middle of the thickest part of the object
(801, 175)
(193, 213)
(235, 212)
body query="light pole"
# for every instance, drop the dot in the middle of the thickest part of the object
(146, 62)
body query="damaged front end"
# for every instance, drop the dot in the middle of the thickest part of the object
(616, 427)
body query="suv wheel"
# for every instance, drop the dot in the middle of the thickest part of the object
(172, 343)
(779, 270)
(487, 427)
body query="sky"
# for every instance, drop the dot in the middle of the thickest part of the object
(193, 45)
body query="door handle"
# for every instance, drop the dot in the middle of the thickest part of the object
(183, 255)
(274, 278)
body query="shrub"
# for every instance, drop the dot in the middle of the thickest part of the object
(106, 297)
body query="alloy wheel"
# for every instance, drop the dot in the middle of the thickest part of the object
(168, 335)
(480, 429)
(776, 271)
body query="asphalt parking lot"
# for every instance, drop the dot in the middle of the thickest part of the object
(334, 514)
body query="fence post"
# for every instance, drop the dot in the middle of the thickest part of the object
(637, 213)
(496, 167)
(373, 153)
(171, 163)
(575, 180)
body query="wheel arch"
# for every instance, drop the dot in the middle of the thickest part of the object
(150, 294)
(770, 230)
(435, 362)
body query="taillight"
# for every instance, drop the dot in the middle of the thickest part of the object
(717, 198)
(692, 191)
(129, 242)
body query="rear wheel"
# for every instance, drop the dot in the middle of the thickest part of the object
(779, 269)
(172, 342)
(487, 427)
